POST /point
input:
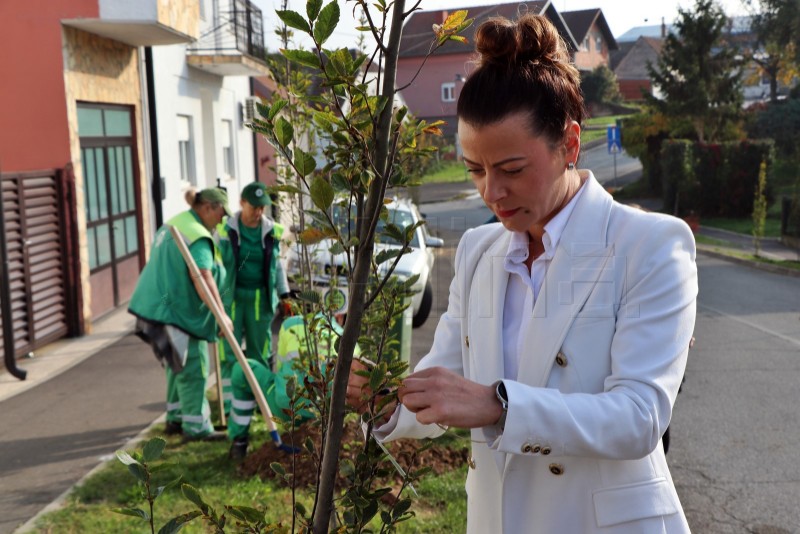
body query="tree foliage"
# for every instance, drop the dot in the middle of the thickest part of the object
(698, 74)
(600, 86)
(776, 24)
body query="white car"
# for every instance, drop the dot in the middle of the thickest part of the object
(403, 213)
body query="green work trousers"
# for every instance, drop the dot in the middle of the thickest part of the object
(252, 314)
(186, 392)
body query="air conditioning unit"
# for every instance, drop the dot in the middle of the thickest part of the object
(249, 109)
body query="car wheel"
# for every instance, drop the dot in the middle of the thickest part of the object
(424, 306)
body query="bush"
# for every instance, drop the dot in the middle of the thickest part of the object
(779, 122)
(713, 179)
(600, 86)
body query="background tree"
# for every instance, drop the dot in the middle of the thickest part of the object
(600, 86)
(776, 24)
(699, 76)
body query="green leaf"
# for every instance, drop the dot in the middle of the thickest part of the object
(168, 485)
(309, 296)
(302, 57)
(321, 193)
(388, 254)
(246, 513)
(125, 458)
(304, 162)
(134, 512)
(193, 495)
(284, 132)
(312, 9)
(328, 19)
(139, 471)
(300, 509)
(295, 20)
(153, 449)
(401, 507)
(175, 524)
(276, 107)
(336, 248)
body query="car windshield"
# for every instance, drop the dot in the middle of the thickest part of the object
(400, 218)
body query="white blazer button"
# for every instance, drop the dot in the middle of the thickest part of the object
(561, 359)
(537, 449)
(545, 450)
(557, 469)
(466, 339)
(526, 449)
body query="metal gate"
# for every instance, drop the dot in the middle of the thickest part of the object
(39, 288)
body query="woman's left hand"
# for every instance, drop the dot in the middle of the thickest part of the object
(442, 397)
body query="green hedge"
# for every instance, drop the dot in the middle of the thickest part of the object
(713, 179)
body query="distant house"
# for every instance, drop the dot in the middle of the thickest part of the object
(594, 38)
(631, 69)
(436, 87)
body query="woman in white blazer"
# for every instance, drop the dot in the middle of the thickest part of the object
(568, 324)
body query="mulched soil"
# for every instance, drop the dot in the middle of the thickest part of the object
(440, 458)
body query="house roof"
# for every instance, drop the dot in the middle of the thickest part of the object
(653, 30)
(580, 22)
(634, 65)
(418, 30)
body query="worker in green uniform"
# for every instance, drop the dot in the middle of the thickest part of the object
(256, 282)
(291, 339)
(174, 315)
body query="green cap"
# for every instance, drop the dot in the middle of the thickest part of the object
(256, 194)
(215, 194)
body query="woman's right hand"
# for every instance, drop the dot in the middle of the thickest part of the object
(359, 394)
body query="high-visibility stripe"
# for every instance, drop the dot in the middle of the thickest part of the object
(242, 420)
(243, 404)
(199, 419)
(258, 304)
(172, 406)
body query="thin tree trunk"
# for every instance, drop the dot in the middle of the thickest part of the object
(355, 310)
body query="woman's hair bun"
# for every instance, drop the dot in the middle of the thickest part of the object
(531, 38)
(190, 195)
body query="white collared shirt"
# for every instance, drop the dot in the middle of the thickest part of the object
(523, 286)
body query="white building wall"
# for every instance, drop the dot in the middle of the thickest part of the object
(207, 100)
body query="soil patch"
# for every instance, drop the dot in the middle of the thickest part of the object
(441, 458)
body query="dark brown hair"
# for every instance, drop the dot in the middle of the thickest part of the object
(523, 66)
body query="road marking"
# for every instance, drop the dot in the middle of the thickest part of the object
(791, 340)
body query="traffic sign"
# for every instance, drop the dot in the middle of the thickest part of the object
(614, 140)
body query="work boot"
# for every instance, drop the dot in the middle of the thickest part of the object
(172, 428)
(238, 449)
(210, 436)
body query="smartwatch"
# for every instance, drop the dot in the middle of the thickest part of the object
(502, 396)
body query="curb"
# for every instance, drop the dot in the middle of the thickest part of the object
(717, 252)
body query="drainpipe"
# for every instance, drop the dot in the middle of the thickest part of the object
(157, 185)
(8, 322)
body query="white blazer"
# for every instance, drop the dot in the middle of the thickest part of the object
(606, 342)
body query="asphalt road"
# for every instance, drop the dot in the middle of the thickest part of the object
(56, 432)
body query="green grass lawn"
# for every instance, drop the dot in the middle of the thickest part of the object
(441, 507)
(772, 227)
(448, 171)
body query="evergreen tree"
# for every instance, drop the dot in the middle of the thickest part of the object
(698, 74)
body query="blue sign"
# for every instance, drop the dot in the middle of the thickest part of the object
(614, 140)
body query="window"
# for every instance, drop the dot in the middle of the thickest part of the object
(202, 9)
(598, 43)
(585, 45)
(186, 149)
(228, 162)
(449, 92)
